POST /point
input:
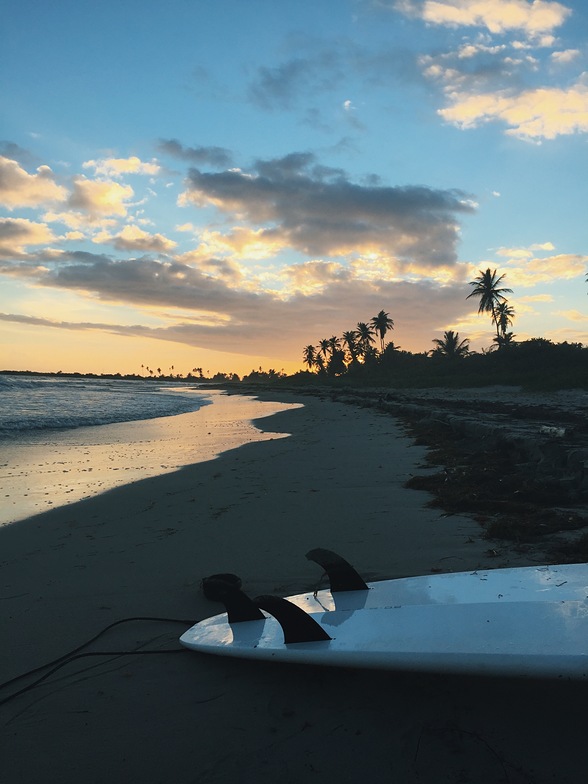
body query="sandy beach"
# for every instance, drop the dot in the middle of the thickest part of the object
(141, 550)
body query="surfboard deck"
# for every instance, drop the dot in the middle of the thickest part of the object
(529, 621)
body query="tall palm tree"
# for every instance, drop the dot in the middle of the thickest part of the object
(381, 324)
(450, 345)
(309, 356)
(491, 294)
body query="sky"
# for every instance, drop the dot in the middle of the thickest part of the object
(219, 183)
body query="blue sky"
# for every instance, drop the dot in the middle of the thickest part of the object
(219, 184)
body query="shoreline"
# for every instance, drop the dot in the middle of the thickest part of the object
(338, 481)
(46, 469)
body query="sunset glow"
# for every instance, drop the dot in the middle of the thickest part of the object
(218, 185)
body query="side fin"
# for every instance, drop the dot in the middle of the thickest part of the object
(226, 588)
(342, 576)
(297, 625)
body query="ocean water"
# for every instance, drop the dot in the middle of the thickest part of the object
(35, 403)
(63, 440)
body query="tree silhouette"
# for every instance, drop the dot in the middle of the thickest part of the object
(504, 314)
(450, 345)
(381, 324)
(487, 288)
(350, 341)
(325, 348)
(365, 336)
(309, 356)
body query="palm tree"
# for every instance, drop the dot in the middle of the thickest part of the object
(504, 340)
(324, 347)
(334, 344)
(450, 345)
(381, 324)
(504, 314)
(365, 336)
(309, 356)
(486, 286)
(350, 340)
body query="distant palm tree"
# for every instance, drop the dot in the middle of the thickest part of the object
(365, 337)
(309, 356)
(487, 288)
(450, 345)
(504, 340)
(334, 344)
(324, 348)
(381, 324)
(504, 314)
(350, 340)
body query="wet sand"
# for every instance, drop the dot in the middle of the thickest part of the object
(54, 468)
(142, 549)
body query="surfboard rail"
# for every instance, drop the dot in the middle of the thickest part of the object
(524, 621)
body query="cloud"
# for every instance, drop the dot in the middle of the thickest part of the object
(16, 234)
(565, 57)
(18, 188)
(322, 69)
(116, 167)
(97, 198)
(133, 238)
(242, 242)
(218, 157)
(279, 87)
(319, 211)
(542, 113)
(17, 153)
(141, 281)
(249, 323)
(572, 315)
(533, 271)
(535, 18)
(313, 277)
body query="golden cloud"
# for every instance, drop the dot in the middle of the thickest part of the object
(545, 113)
(98, 198)
(18, 188)
(245, 243)
(134, 238)
(498, 16)
(77, 220)
(18, 233)
(116, 167)
(562, 267)
(572, 315)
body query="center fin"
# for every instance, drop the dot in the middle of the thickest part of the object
(342, 576)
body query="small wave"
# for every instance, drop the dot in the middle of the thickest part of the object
(33, 404)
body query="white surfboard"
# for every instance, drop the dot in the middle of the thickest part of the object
(530, 621)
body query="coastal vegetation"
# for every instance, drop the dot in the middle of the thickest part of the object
(534, 363)
(363, 357)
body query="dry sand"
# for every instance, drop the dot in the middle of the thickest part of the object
(141, 550)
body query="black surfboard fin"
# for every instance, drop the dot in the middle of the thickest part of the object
(342, 576)
(297, 625)
(226, 588)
